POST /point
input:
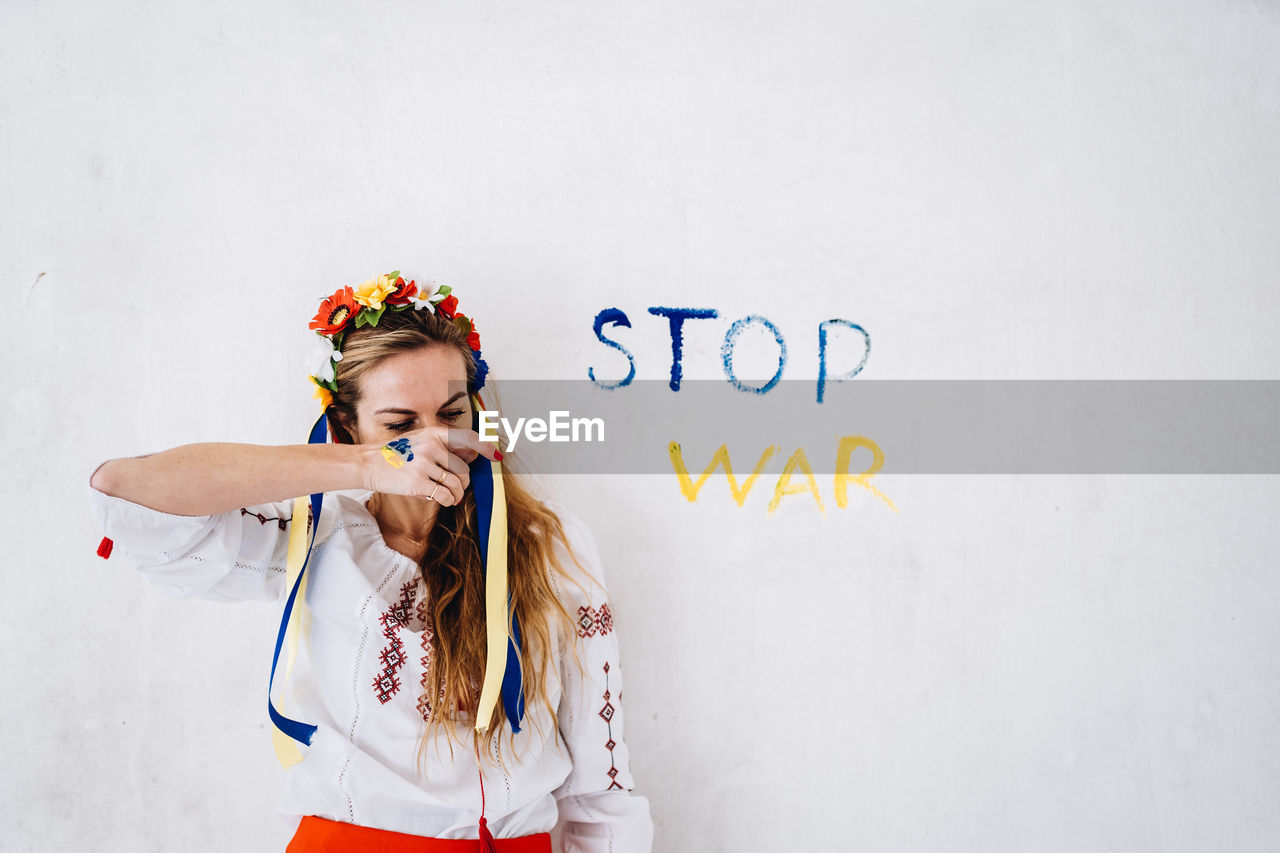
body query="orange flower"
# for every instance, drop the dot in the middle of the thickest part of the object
(336, 312)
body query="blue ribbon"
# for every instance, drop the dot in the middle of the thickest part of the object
(301, 732)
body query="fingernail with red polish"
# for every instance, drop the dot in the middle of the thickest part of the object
(497, 454)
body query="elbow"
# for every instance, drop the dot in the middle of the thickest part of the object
(101, 478)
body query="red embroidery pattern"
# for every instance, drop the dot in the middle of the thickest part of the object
(606, 714)
(386, 685)
(592, 622)
(263, 519)
(393, 658)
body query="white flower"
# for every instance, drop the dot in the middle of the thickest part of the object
(323, 357)
(423, 298)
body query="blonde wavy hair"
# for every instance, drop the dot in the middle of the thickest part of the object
(452, 569)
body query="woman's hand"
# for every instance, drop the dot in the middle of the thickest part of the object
(421, 462)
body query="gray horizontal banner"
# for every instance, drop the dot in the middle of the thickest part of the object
(891, 427)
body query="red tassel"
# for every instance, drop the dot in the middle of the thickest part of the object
(487, 844)
(104, 548)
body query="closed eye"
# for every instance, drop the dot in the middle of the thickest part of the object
(452, 415)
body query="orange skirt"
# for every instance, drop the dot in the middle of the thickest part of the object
(321, 835)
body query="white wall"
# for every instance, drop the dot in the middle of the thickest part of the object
(994, 190)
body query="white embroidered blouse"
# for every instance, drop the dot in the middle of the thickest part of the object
(358, 674)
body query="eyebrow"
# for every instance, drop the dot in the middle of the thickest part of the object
(398, 411)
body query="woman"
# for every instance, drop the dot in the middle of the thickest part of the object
(393, 655)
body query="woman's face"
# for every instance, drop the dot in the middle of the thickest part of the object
(412, 390)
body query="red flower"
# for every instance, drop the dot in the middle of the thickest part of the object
(403, 294)
(447, 305)
(336, 312)
(473, 340)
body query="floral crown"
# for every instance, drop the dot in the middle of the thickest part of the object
(364, 305)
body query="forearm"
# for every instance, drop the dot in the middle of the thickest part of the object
(212, 477)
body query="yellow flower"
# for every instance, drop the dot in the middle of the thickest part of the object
(323, 394)
(372, 292)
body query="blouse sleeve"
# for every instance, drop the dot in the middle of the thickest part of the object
(599, 811)
(237, 555)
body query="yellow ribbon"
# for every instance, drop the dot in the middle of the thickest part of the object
(495, 600)
(287, 750)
